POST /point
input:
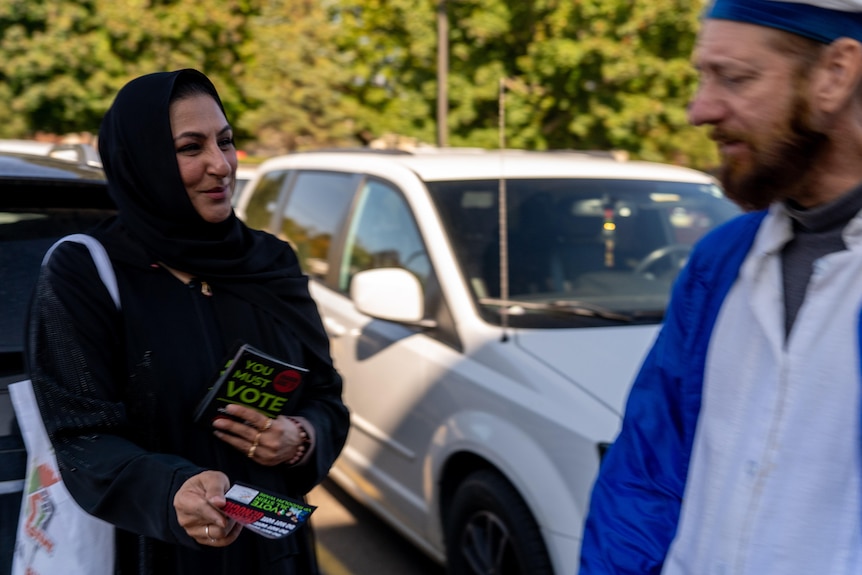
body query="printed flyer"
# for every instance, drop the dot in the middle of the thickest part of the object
(256, 380)
(268, 514)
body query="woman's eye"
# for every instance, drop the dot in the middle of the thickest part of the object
(225, 143)
(188, 148)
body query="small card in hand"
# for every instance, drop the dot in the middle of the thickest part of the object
(265, 513)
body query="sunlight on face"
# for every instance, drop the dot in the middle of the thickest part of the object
(754, 96)
(206, 155)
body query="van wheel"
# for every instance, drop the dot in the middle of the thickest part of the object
(490, 531)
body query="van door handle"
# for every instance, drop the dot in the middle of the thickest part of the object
(333, 328)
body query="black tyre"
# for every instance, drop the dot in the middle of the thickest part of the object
(490, 531)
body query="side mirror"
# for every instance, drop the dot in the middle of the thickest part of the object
(391, 294)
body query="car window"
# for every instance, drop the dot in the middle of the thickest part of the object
(383, 234)
(313, 216)
(261, 205)
(244, 175)
(616, 245)
(25, 235)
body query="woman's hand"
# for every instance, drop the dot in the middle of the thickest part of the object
(197, 504)
(267, 441)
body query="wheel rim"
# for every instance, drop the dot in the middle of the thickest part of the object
(487, 546)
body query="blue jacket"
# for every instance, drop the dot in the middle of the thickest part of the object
(636, 499)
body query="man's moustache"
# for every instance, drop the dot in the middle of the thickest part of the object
(725, 137)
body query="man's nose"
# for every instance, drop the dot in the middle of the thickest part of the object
(706, 107)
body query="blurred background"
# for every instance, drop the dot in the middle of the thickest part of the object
(308, 74)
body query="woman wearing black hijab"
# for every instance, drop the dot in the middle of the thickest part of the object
(117, 388)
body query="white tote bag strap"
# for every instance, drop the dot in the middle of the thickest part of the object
(26, 410)
(100, 257)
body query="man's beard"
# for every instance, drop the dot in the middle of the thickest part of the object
(779, 168)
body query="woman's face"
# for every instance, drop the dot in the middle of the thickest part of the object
(206, 155)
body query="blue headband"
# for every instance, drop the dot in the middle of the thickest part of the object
(822, 24)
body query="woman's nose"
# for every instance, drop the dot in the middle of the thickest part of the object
(220, 164)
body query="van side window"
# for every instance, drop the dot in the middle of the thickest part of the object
(383, 234)
(261, 205)
(314, 215)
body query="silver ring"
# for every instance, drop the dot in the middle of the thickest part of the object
(207, 530)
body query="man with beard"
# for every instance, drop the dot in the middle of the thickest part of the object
(740, 447)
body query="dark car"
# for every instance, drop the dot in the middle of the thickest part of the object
(41, 200)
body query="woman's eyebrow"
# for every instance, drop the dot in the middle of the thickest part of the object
(193, 134)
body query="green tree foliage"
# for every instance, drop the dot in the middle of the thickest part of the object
(581, 74)
(299, 74)
(391, 48)
(293, 79)
(153, 35)
(55, 72)
(63, 61)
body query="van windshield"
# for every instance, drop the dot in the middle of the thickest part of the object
(593, 251)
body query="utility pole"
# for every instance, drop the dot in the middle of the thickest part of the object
(442, 74)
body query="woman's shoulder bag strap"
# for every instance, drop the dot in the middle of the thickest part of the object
(101, 259)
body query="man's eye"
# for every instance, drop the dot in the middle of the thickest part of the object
(735, 80)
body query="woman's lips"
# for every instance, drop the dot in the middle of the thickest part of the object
(216, 193)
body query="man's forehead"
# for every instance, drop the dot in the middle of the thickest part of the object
(723, 43)
(820, 20)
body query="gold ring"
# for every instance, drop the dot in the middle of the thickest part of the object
(251, 449)
(208, 533)
(268, 424)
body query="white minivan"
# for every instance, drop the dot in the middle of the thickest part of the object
(488, 311)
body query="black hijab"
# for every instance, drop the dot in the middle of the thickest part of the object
(157, 222)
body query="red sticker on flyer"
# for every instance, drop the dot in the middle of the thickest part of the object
(287, 381)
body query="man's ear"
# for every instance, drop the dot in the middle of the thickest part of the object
(837, 75)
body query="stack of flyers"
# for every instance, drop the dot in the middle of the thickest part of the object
(268, 514)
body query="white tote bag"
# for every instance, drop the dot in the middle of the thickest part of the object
(55, 536)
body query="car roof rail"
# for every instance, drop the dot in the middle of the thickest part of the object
(616, 155)
(77, 153)
(355, 150)
(81, 154)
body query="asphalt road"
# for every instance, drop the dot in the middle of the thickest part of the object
(353, 541)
